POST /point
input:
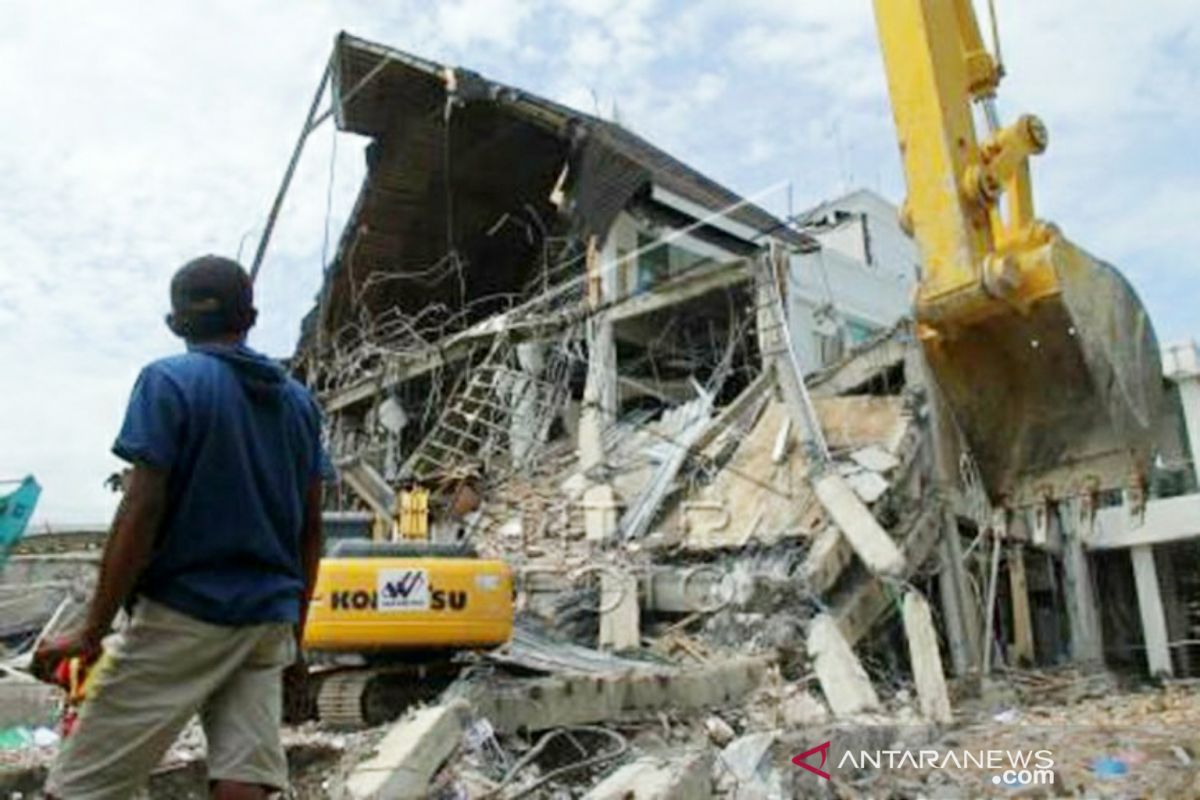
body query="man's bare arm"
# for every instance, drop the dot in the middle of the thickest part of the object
(128, 548)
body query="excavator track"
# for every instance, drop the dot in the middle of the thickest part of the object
(357, 698)
(339, 700)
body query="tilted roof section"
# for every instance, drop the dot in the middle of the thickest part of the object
(376, 86)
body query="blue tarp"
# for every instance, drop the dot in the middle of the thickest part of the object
(16, 508)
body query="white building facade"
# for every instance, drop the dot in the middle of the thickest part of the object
(861, 281)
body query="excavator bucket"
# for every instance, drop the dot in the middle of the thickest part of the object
(1062, 397)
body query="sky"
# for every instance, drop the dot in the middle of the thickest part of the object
(138, 135)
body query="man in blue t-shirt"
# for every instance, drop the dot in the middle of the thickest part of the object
(215, 547)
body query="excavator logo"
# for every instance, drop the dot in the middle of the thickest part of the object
(399, 590)
(403, 590)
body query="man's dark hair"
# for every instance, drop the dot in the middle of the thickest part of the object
(211, 296)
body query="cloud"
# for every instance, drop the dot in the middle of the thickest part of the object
(466, 22)
(139, 135)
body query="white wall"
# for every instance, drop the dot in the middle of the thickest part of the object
(837, 291)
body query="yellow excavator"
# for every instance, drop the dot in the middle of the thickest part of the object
(1044, 355)
(392, 614)
(387, 621)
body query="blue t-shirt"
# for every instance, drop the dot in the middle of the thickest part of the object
(241, 443)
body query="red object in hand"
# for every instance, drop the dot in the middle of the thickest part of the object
(70, 673)
(50, 655)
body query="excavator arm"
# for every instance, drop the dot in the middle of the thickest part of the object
(1045, 356)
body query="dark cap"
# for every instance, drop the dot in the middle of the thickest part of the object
(211, 296)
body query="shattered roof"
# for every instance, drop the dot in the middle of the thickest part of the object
(399, 86)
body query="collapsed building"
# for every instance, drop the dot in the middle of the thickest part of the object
(706, 442)
(502, 237)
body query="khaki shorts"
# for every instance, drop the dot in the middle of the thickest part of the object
(161, 670)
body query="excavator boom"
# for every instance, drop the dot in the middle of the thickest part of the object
(1045, 355)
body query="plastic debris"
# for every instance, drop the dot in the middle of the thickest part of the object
(18, 738)
(1007, 716)
(1109, 767)
(45, 737)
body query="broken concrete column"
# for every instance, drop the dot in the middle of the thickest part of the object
(599, 512)
(619, 614)
(962, 623)
(1150, 608)
(847, 688)
(673, 776)
(1018, 589)
(1076, 519)
(925, 658)
(600, 391)
(868, 538)
(525, 422)
(410, 754)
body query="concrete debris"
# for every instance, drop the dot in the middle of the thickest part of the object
(531, 649)
(753, 497)
(409, 755)
(858, 421)
(843, 679)
(868, 538)
(719, 731)
(875, 458)
(539, 704)
(746, 769)
(619, 628)
(681, 428)
(674, 776)
(799, 709)
(869, 486)
(925, 658)
(600, 510)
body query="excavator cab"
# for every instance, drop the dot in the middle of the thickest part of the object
(1045, 357)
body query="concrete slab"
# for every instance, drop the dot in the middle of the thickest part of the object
(750, 762)
(868, 538)
(410, 754)
(847, 688)
(674, 776)
(868, 485)
(533, 705)
(875, 458)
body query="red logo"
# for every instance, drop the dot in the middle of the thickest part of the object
(800, 760)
